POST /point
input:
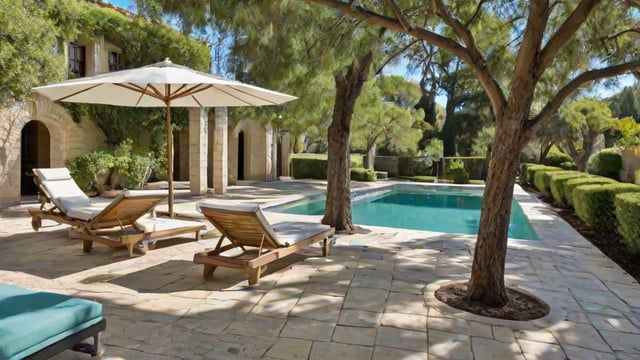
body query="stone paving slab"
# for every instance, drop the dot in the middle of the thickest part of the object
(372, 298)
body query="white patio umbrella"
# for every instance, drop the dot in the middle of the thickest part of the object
(163, 84)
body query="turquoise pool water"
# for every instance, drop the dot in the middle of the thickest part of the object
(446, 211)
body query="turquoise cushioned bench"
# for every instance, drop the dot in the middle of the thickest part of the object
(40, 324)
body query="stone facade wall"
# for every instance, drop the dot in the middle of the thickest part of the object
(67, 140)
(257, 151)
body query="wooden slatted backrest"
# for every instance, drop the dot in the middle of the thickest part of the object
(128, 207)
(242, 224)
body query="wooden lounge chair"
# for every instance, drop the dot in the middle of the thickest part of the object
(115, 224)
(246, 228)
(38, 324)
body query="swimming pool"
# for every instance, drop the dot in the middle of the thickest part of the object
(441, 209)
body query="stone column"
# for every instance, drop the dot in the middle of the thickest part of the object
(198, 129)
(286, 154)
(220, 145)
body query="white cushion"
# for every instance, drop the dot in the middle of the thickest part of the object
(60, 190)
(53, 174)
(290, 232)
(229, 206)
(85, 212)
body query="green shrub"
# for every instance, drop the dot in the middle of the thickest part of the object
(569, 165)
(556, 158)
(133, 168)
(523, 171)
(309, 168)
(531, 172)
(595, 204)
(636, 177)
(457, 172)
(607, 162)
(91, 170)
(541, 180)
(556, 185)
(572, 184)
(475, 166)
(627, 207)
(362, 174)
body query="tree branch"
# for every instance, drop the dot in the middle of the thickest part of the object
(398, 14)
(588, 76)
(475, 13)
(394, 55)
(469, 54)
(531, 44)
(565, 32)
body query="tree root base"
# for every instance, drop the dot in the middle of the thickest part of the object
(520, 307)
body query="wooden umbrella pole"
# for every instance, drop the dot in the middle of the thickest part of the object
(169, 152)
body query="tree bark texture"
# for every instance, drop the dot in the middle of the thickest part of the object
(486, 284)
(337, 211)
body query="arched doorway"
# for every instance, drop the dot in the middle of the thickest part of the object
(241, 155)
(34, 153)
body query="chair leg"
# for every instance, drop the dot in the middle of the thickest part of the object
(36, 222)
(87, 245)
(208, 271)
(326, 245)
(254, 275)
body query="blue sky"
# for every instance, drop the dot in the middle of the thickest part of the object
(125, 4)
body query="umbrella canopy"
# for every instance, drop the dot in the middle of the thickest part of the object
(163, 84)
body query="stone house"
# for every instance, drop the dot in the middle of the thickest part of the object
(210, 153)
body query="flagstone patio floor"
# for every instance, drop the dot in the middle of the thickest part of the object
(372, 298)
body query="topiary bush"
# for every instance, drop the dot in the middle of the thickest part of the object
(556, 158)
(627, 210)
(456, 170)
(541, 180)
(607, 163)
(570, 185)
(556, 185)
(595, 204)
(362, 174)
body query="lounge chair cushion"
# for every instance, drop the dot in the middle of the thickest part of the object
(53, 174)
(32, 320)
(65, 194)
(84, 212)
(290, 232)
(243, 208)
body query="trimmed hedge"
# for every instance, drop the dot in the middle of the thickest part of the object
(309, 168)
(627, 207)
(572, 184)
(314, 166)
(531, 172)
(607, 162)
(541, 180)
(595, 204)
(362, 174)
(556, 185)
(523, 172)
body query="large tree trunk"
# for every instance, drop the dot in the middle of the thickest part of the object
(486, 284)
(337, 211)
